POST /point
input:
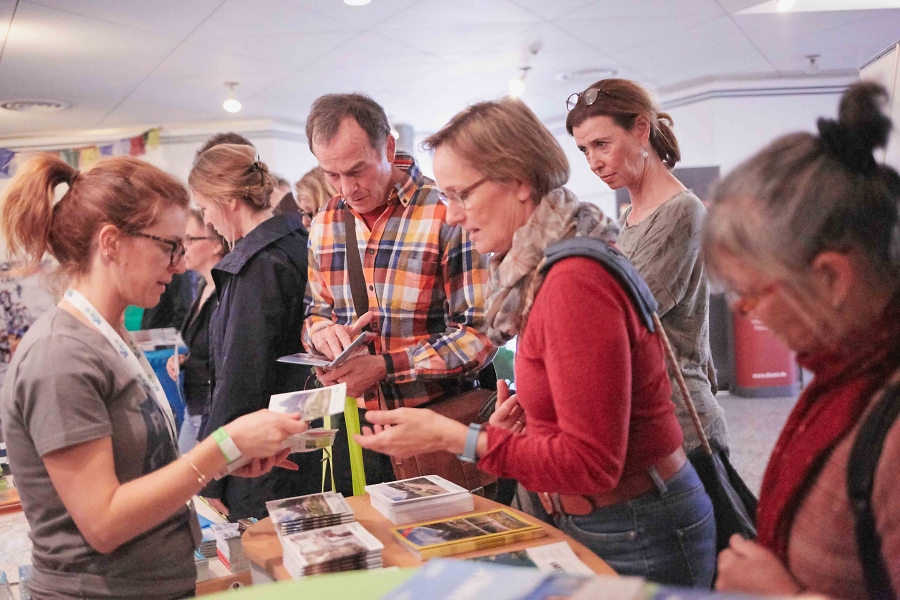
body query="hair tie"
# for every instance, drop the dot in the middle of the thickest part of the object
(843, 146)
(73, 177)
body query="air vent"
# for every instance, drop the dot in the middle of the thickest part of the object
(36, 106)
(594, 74)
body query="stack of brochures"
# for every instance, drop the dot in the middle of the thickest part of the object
(550, 558)
(228, 547)
(347, 547)
(202, 562)
(420, 499)
(293, 515)
(208, 543)
(479, 531)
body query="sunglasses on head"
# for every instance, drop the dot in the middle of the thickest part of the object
(588, 97)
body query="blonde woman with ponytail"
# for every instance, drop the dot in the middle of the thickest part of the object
(260, 287)
(90, 434)
(629, 144)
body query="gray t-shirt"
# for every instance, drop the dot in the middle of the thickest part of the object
(66, 385)
(665, 249)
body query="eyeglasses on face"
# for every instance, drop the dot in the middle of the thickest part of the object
(461, 196)
(588, 97)
(177, 248)
(745, 303)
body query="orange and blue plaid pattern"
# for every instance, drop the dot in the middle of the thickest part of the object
(426, 285)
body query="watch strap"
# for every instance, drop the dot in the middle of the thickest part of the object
(470, 449)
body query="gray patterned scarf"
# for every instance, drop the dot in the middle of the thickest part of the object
(513, 277)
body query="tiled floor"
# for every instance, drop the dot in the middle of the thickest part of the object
(753, 425)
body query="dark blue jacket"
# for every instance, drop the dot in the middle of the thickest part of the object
(260, 287)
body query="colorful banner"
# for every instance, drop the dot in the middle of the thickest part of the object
(85, 156)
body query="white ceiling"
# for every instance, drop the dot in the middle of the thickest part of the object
(145, 62)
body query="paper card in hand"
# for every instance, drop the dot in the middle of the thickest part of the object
(311, 404)
(320, 360)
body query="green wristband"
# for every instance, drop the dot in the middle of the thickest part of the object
(226, 445)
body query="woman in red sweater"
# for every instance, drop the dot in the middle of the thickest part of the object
(806, 235)
(602, 444)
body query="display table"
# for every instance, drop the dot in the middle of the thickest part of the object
(262, 547)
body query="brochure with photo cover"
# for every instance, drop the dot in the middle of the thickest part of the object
(549, 558)
(479, 531)
(302, 513)
(331, 549)
(320, 360)
(311, 404)
(416, 489)
(420, 499)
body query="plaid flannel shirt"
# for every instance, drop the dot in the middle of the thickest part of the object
(426, 285)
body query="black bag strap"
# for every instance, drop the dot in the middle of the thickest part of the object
(613, 261)
(355, 275)
(862, 466)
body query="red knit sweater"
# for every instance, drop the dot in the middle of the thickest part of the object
(593, 383)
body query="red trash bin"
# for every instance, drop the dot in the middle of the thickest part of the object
(763, 366)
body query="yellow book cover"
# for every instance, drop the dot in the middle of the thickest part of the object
(446, 537)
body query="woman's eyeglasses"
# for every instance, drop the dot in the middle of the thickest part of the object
(588, 97)
(460, 197)
(176, 246)
(746, 303)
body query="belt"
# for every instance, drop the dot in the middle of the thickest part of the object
(628, 488)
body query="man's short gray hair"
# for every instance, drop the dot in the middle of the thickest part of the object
(330, 110)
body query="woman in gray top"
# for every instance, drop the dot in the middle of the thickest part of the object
(629, 143)
(89, 432)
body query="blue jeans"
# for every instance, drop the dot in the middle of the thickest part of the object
(190, 429)
(667, 536)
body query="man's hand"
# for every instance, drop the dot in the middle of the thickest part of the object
(360, 373)
(332, 340)
(746, 566)
(170, 365)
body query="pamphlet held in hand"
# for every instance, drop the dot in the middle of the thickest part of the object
(320, 360)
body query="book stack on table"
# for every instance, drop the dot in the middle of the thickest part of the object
(208, 543)
(228, 547)
(420, 499)
(346, 547)
(202, 564)
(293, 515)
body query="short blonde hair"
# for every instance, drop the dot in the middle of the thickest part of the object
(316, 186)
(505, 140)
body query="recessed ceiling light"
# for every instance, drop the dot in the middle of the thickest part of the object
(592, 74)
(36, 106)
(356, 2)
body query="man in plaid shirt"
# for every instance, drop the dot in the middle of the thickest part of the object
(425, 283)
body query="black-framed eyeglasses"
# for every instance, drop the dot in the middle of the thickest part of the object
(177, 246)
(588, 97)
(307, 215)
(461, 196)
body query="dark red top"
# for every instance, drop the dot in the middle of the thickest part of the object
(593, 383)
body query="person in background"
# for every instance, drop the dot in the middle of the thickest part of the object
(425, 283)
(805, 236)
(313, 191)
(591, 427)
(629, 144)
(90, 435)
(258, 315)
(203, 249)
(228, 137)
(282, 198)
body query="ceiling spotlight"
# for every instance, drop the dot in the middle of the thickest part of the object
(784, 5)
(356, 2)
(517, 84)
(813, 66)
(232, 104)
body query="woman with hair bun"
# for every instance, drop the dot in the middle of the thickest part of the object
(629, 144)
(89, 431)
(806, 237)
(260, 287)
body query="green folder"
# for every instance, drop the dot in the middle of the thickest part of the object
(357, 470)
